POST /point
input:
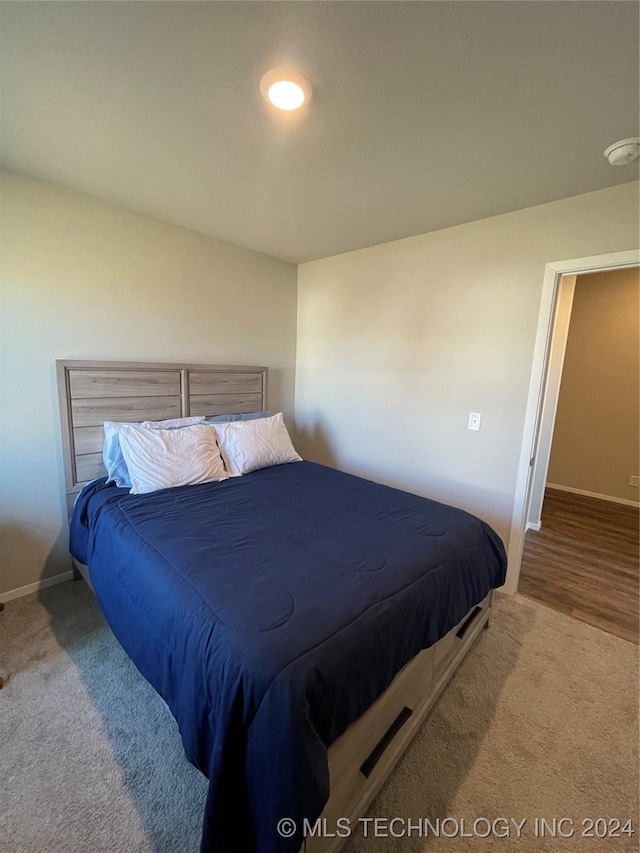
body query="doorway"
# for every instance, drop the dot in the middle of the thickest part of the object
(538, 388)
(584, 560)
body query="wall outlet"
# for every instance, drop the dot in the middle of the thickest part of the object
(634, 481)
(474, 420)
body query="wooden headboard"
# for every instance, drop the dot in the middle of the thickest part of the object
(92, 392)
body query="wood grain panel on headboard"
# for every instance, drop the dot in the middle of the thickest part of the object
(218, 392)
(92, 392)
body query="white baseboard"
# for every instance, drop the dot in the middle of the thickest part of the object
(35, 587)
(534, 525)
(609, 498)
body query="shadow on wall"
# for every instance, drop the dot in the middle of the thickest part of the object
(24, 546)
(274, 391)
(58, 559)
(312, 444)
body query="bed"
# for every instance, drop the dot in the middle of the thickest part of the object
(298, 621)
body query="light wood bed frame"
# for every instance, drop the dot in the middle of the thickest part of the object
(91, 392)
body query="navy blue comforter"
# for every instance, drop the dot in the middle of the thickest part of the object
(270, 611)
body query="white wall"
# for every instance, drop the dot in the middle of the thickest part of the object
(88, 280)
(595, 439)
(399, 342)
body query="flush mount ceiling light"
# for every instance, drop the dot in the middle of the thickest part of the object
(624, 151)
(285, 89)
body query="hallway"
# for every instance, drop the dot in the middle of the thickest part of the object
(584, 562)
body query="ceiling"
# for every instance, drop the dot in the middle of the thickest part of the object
(424, 114)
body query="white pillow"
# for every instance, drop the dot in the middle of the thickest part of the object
(163, 458)
(249, 445)
(112, 455)
(172, 423)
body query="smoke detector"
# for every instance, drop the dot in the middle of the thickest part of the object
(623, 152)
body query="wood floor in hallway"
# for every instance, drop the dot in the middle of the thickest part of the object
(585, 562)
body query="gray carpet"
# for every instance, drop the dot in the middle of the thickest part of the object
(540, 721)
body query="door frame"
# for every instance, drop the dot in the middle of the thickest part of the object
(557, 350)
(539, 389)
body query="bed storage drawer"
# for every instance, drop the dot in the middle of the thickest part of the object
(360, 759)
(452, 647)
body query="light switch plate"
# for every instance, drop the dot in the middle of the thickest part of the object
(474, 420)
